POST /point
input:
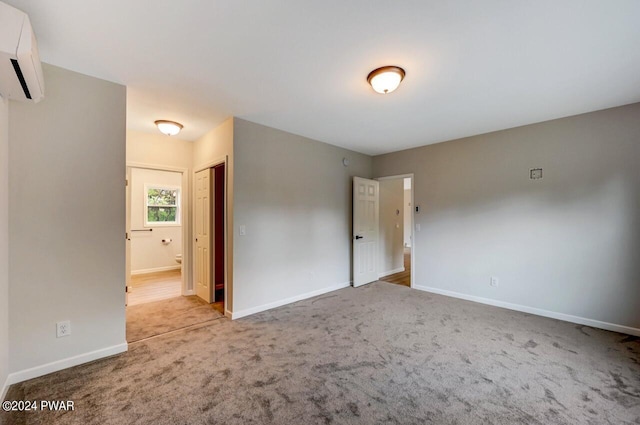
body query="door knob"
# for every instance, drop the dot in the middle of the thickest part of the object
(359, 237)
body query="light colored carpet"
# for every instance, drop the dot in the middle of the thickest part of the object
(378, 354)
(159, 317)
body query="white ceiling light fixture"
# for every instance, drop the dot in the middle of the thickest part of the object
(170, 128)
(386, 79)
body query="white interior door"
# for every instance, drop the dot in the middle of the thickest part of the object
(365, 230)
(127, 230)
(203, 235)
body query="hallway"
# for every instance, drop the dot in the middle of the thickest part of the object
(402, 278)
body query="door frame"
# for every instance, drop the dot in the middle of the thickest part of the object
(413, 220)
(185, 202)
(222, 160)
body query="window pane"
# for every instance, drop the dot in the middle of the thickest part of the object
(162, 197)
(161, 214)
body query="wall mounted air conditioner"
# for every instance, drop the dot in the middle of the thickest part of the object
(20, 67)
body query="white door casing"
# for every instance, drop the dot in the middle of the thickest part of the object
(203, 235)
(127, 235)
(365, 231)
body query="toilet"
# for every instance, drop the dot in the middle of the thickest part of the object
(179, 258)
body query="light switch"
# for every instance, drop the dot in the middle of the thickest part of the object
(418, 227)
(243, 230)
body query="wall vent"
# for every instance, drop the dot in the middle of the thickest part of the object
(535, 173)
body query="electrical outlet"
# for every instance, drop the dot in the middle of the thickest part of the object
(63, 329)
(494, 282)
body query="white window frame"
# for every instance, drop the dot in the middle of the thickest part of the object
(178, 206)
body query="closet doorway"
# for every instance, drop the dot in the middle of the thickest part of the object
(209, 222)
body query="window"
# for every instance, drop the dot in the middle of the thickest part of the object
(162, 205)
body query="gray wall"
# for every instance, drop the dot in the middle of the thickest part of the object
(294, 196)
(4, 244)
(569, 243)
(66, 219)
(391, 237)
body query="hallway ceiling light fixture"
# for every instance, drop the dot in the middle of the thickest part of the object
(386, 79)
(170, 128)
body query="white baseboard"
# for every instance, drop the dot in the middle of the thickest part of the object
(390, 272)
(537, 311)
(187, 293)
(45, 369)
(156, 269)
(279, 303)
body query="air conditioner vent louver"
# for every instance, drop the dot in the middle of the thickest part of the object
(23, 83)
(20, 68)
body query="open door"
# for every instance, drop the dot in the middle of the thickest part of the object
(365, 231)
(203, 235)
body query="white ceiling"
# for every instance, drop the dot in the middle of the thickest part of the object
(301, 65)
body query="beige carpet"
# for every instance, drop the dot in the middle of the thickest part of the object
(150, 319)
(378, 354)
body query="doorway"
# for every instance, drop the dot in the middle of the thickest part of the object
(383, 230)
(160, 297)
(209, 222)
(396, 229)
(155, 234)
